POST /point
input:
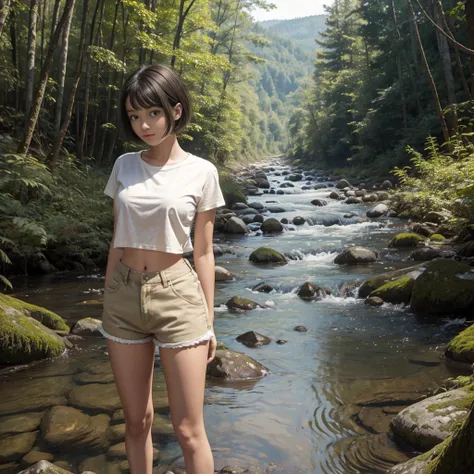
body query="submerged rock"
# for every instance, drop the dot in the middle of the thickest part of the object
(355, 255)
(230, 365)
(253, 339)
(87, 327)
(267, 255)
(242, 304)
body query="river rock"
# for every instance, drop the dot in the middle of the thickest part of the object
(256, 205)
(425, 229)
(353, 200)
(253, 339)
(222, 274)
(350, 193)
(386, 185)
(425, 254)
(413, 466)
(374, 301)
(86, 378)
(95, 396)
(371, 197)
(377, 211)
(446, 286)
(333, 195)
(230, 365)
(20, 423)
(355, 255)
(23, 339)
(67, 428)
(310, 290)
(263, 288)
(35, 456)
(377, 281)
(44, 467)
(320, 202)
(298, 220)
(300, 329)
(287, 185)
(271, 226)
(466, 250)
(405, 240)
(238, 206)
(276, 209)
(397, 291)
(267, 255)
(87, 327)
(15, 447)
(425, 424)
(320, 186)
(262, 183)
(235, 226)
(461, 348)
(343, 183)
(295, 177)
(241, 304)
(438, 217)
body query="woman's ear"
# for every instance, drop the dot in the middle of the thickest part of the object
(178, 111)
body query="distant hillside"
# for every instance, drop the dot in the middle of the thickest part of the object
(301, 30)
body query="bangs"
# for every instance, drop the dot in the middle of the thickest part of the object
(143, 95)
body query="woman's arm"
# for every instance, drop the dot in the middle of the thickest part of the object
(114, 254)
(204, 263)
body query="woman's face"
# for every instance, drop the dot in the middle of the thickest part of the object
(150, 124)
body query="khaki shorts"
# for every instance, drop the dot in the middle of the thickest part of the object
(168, 307)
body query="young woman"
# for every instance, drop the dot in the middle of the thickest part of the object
(152, 294)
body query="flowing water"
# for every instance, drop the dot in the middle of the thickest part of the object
(327, 403)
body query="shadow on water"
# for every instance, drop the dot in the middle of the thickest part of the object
(327, 403)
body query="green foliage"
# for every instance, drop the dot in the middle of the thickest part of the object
(438, 181)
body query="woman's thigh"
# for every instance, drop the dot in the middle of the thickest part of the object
(185, 373)
(132, 366)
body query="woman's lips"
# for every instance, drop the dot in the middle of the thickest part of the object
(148, 136)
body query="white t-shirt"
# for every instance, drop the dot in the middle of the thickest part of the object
(156, 205)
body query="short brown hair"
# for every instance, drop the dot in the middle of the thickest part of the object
(155, 86)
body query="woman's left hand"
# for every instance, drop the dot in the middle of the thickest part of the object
(212, 348)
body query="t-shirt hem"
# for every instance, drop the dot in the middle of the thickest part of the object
(153, 247)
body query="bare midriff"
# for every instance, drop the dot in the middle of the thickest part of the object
(143, 260)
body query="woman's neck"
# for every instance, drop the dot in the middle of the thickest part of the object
(167, 152)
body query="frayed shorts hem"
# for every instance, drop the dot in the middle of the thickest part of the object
(167, 345)
(124, 341)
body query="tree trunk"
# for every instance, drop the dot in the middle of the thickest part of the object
(415, 64)
(228, 73)
(14, 55)
(469, 7)
(30, 64)
(399, 69)
(445, 57)
(42, 7)
(437, 104)
(62, 74)
(456, 457)
(55, 18)
(179, 27)
(4, 10)
(54, 154)
(82, 137)
(40, 90)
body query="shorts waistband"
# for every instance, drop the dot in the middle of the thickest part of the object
(177, 270)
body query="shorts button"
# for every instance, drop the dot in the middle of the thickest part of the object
(146, 278)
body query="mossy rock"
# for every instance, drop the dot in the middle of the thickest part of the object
(437, 238)
(24, 339)
(375, 282)
(397, 291)
(267, 255)
(461, 348)
(44, 316)
(445, 287)
(406, 240)
(232, 190)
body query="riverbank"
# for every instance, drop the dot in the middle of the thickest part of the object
(333, 385)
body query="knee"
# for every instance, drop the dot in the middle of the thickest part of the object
(139, 424)
(190, 437)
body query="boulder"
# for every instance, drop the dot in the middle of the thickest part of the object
(222, 274)
(428, 422)
(238, 303)
(377, 211)
(230, 365)
(397, 291)
(253, 339)
(24, 339)
(44, 467)
(267, 255)
(445, 287)
(405, 240)
(310, 290)
(235, 226)
(87, 327)
(271, 226)
(298, 220)
(355, 255)
(343, 184)
(461, 348)
(13, 448)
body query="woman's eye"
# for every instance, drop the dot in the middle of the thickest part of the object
(133, 117)
(155, 113)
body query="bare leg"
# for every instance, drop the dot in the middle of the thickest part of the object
(132, 365)
(185, 373)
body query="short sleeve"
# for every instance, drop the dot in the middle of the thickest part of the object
(211, 194)
(111, 186)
